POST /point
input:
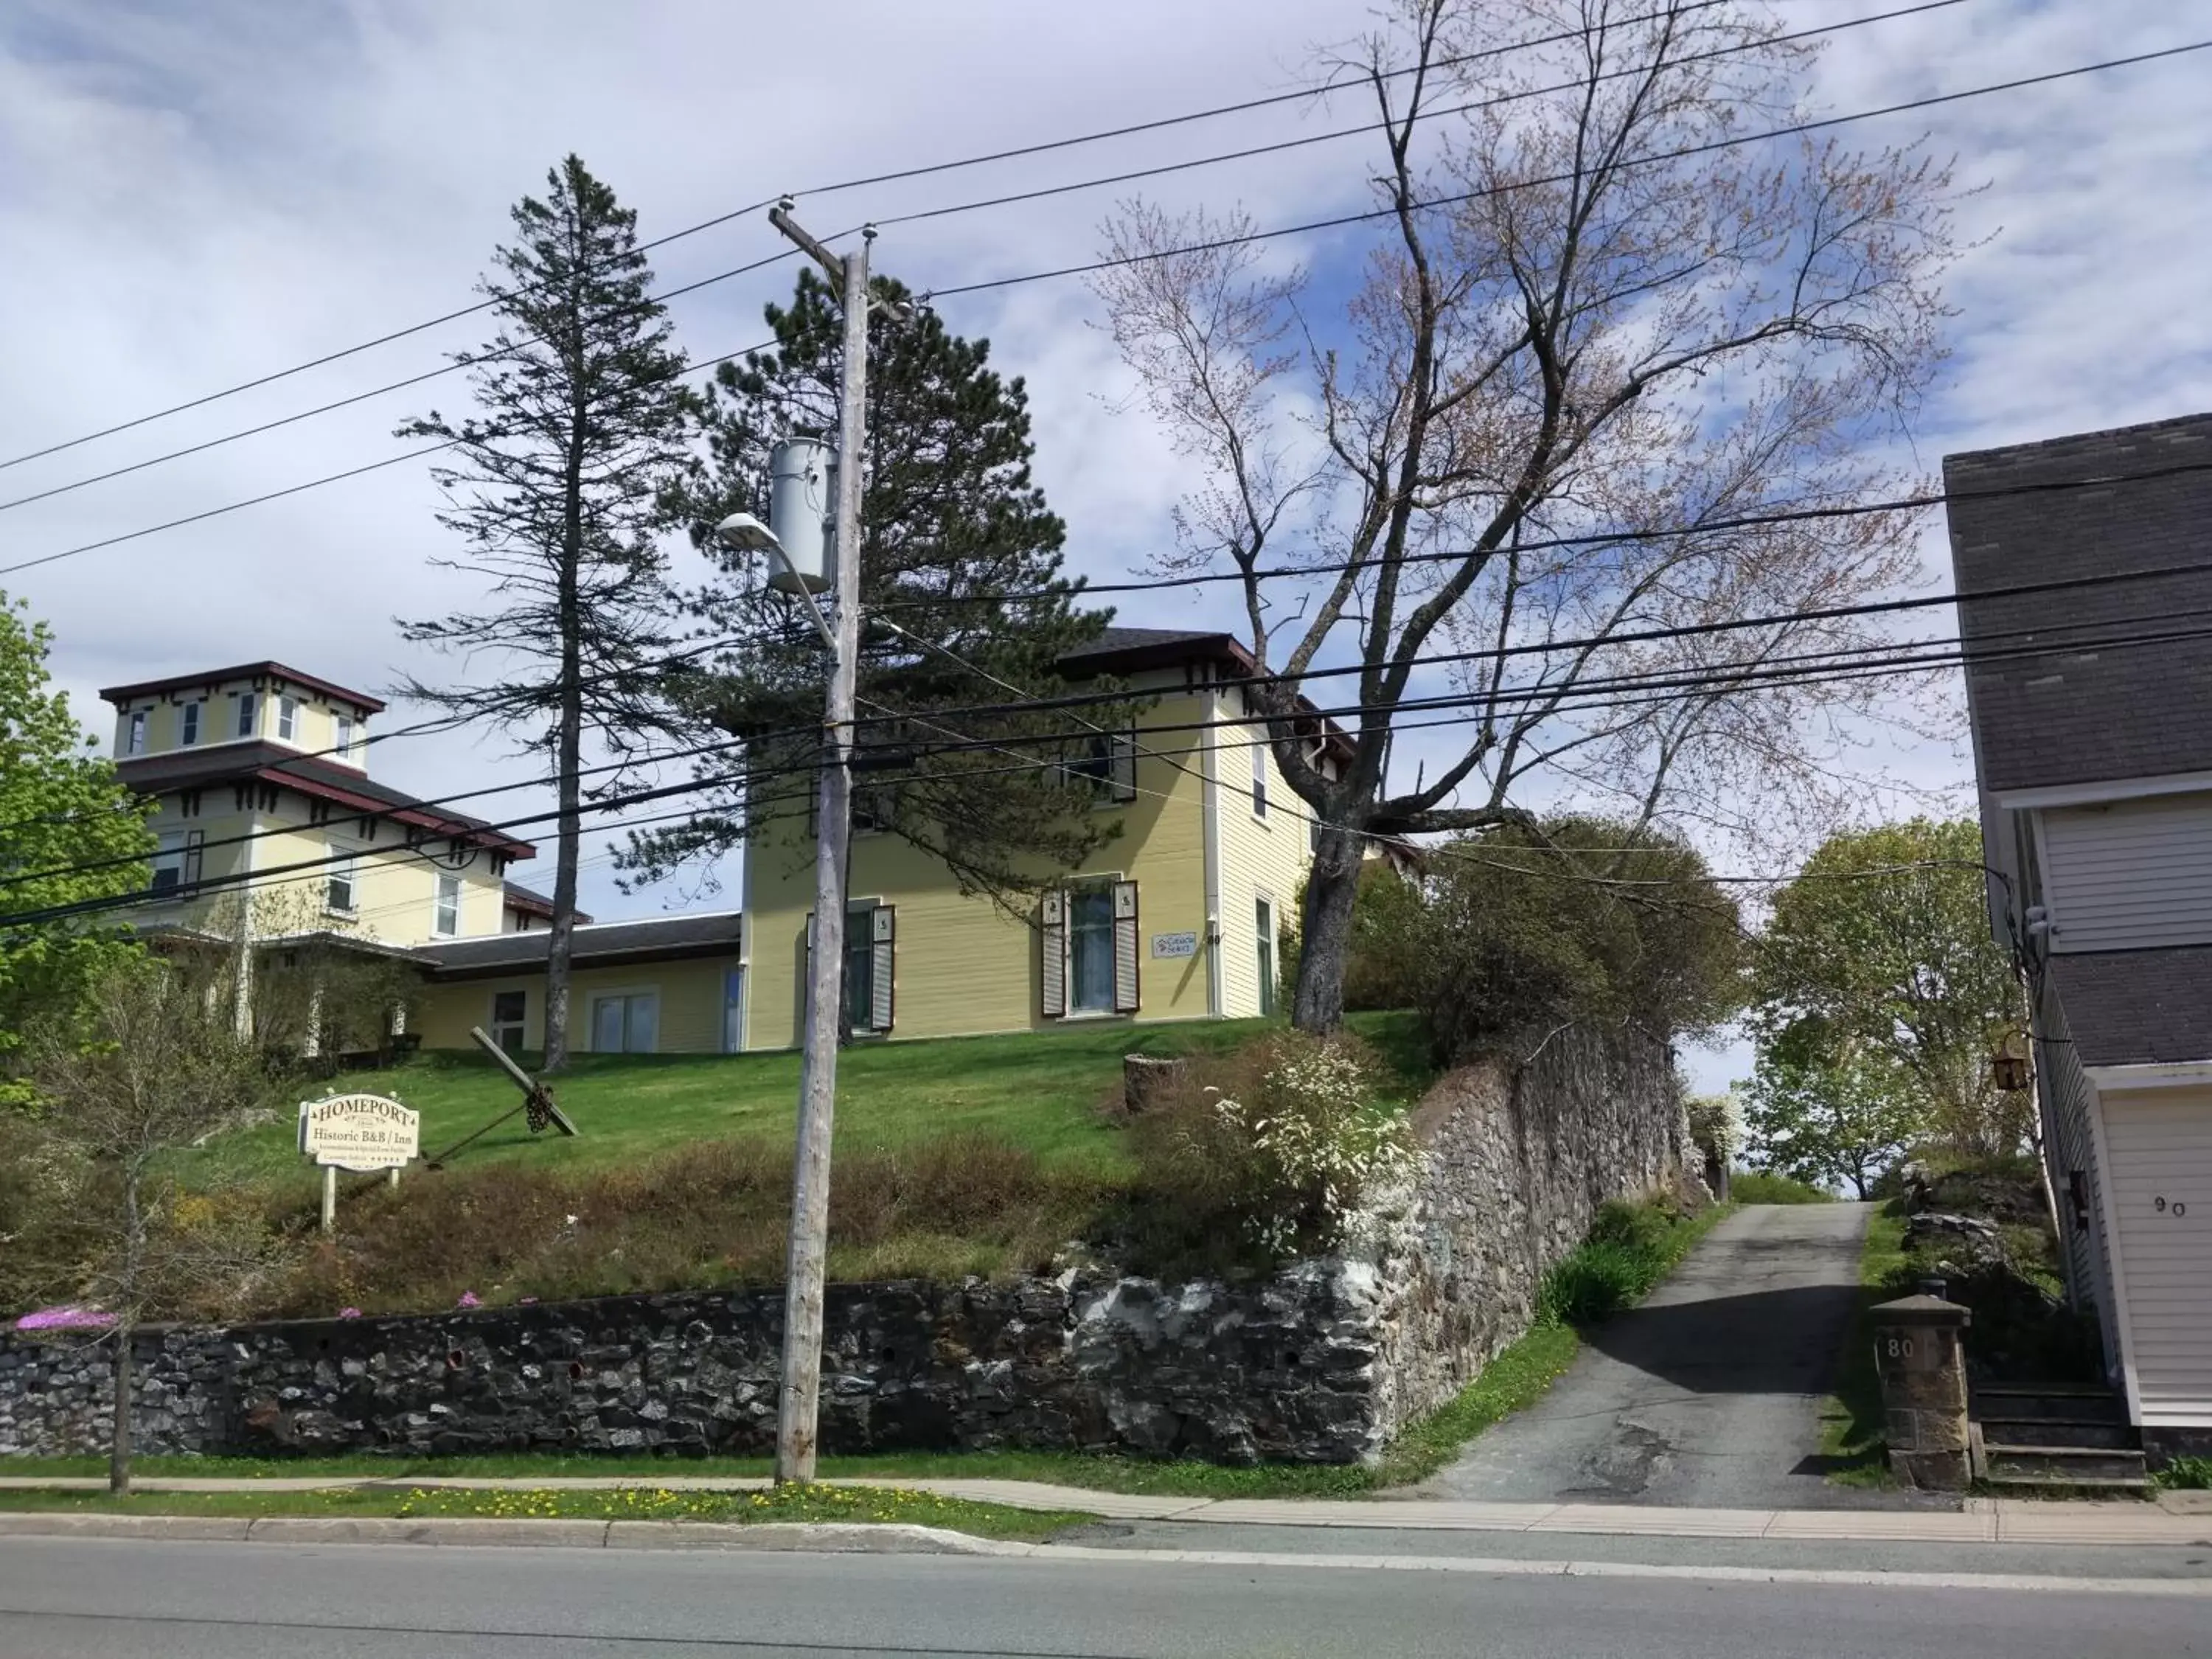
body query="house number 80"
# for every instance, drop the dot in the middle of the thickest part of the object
(1900, 1347)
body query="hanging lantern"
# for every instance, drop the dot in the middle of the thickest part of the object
(2009, 1071)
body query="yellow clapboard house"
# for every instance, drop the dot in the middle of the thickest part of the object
(270, 830)
(1176, 918)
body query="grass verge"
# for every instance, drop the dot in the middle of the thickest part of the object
(817, 1501)
(1852, 1419)
(1762, 1187)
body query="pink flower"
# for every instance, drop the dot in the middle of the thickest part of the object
(65, 1318)
(348, 1313)
(470, 1299)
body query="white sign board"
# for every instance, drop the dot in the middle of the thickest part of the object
(1174, 944)
(359, 1131)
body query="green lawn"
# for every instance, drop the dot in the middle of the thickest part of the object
(1038, 1091)
(1852, 1418)
(816, 1502)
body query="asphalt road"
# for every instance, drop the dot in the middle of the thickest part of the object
(1706, 1395)
(99, 1599)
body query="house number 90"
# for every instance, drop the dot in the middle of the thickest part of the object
(2176, 1209)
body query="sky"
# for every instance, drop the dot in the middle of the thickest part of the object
(191, 198)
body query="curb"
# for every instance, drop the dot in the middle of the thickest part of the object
(833, 1537)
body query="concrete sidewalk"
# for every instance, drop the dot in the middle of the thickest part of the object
(2179, 1518)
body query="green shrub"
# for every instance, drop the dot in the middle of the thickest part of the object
(1640, 1228)
(1630, 1248)
(1524, 929)
(1765, 1187)
(1598, 1280)
(1260, 1155)
(2187, 1474)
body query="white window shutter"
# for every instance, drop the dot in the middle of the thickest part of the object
(1052, 955)
(1122, 753)
(1125, 947)
(883, 941)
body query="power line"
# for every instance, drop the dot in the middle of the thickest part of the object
(317, 483)
(1793, 130)
(1598, 538)
(661, 299)
(458, 363)
(1230, 241)
(1835, 665)
(895, 176)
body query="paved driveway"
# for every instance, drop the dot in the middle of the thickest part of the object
(1706, 1395)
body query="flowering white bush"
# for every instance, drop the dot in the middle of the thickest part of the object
(1313, 1144)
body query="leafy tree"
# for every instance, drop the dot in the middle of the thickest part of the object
(1880, 994)
(557, 493)
(60, 805)
(1589, 307)
(165, 1070)
(949, 516)
(1822, 1111)
(1574, 921)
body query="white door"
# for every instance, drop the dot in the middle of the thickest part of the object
(2160, 1145)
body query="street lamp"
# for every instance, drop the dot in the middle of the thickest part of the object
(741, 533)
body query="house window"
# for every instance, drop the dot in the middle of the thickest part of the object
(628, 1023)
(1090, 948)
(859, 972)
(1263, 919)
(249, 712)
(510, 1011)
(1259, 775)
(288, 719)
(445, 921)
(177, 862)
(188, 724)
(342, 887)
(1104, 764)
(342, 739)
(134, 733)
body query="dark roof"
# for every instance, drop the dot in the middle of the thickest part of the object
(273, 671)
(2136, 1007)
(1132, 650)
(348, 787)
(1126, 650)
(532, 901)
(658, 938)
(2103, 711)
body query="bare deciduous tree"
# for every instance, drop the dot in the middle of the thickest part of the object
(164, 1070)
(1594, 330)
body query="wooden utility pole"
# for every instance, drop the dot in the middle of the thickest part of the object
(806, 1265)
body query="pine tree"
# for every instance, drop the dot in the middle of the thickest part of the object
(950, 515)
(582, 428)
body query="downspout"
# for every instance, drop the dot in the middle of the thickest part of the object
(242, 969)
(1210, 797)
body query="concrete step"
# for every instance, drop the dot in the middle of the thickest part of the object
(2099, 1432)
(2065, 1465)
(2070, 1402)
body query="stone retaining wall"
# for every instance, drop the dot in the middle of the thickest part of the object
(1321, 1364)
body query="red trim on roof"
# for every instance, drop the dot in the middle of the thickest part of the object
(393, 812)
(247, 671)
